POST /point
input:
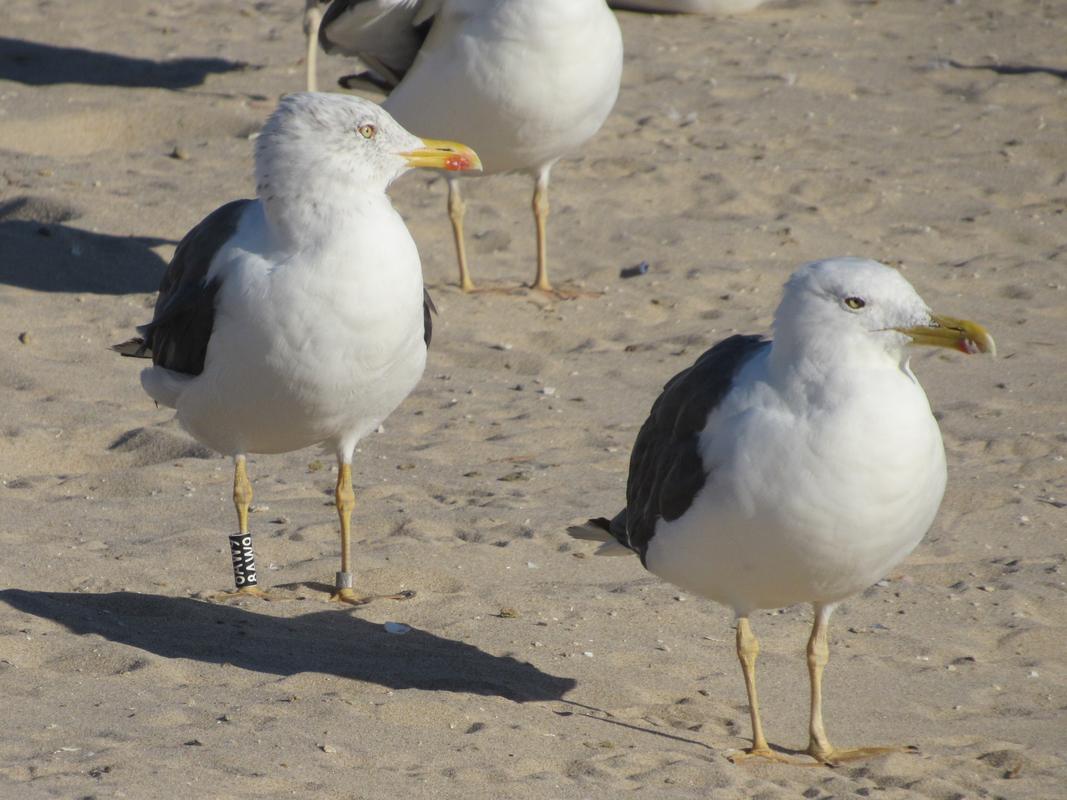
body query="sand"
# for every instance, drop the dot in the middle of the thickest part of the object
(926, 134)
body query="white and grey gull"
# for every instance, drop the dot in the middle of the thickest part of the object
(798, 470)
(523, 82)
(299, 318)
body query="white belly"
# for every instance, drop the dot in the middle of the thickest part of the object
(292, 394)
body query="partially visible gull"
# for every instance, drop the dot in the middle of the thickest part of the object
(685, 6)
(312, 23)
(298, 318)
(798, 470)
(524, 82)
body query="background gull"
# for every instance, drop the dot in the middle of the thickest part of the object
(312, 23)
(525, 82)
(798, 470)
(298, 318)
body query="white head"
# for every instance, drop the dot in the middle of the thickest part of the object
(317, 146)
(863, 305)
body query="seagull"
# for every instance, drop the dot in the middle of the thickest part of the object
(298, 318)
(798, 470)
(524, 82)
(683, 6)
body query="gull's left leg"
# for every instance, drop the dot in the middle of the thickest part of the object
(312, 21)
(346, 502)
(819, 746)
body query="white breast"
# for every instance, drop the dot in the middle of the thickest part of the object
(319, 348)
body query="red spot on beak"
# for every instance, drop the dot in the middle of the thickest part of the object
(457, 162)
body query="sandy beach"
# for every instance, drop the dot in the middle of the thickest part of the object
(925, 134)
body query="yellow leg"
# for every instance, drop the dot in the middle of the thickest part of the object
(242, 499)
(456, 209)
(312, 21)
(346, 502)
(818, 656)
(540, 210)
(819, 746)
(747, 651)
(242, 493)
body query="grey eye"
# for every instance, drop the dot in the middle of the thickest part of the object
(855, 303)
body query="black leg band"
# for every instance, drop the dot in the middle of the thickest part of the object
(244, 560)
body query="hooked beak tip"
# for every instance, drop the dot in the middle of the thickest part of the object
(443, 154)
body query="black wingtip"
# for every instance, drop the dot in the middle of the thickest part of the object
(132, 348)
(594, 530)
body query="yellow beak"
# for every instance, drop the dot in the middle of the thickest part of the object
(442, 154)
(959, 334)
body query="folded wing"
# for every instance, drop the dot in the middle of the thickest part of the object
(385, 34)
(178, 335)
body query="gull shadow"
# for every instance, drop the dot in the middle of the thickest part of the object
(330, 642)
(1014, 69)
(52, 257)
(38, 64)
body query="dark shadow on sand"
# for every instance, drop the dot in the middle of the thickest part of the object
(332, 642)
(52, 257)
(39, 64)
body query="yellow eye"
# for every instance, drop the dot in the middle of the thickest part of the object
(367, 131)
(855, 303)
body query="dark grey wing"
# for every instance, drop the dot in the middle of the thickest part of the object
(385, 34)
(178, 334)
(427, 320)
(666, 470)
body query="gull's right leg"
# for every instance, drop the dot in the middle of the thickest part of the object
(241, 551)
(747, 650)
